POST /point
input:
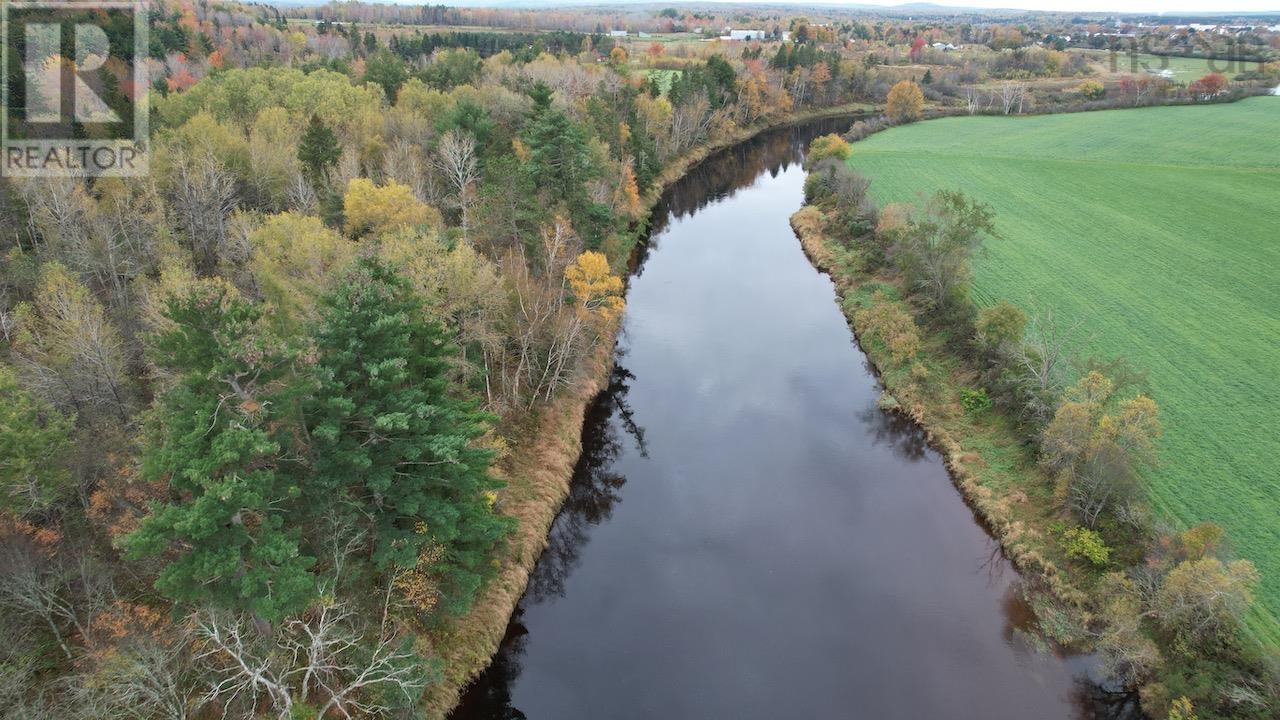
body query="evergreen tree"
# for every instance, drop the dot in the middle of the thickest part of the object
(34, 440)
(318, 150)
(393, 449)
(217, 436)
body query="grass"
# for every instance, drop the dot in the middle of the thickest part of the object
(1156, 229)
(1183, 69)
(663, 78)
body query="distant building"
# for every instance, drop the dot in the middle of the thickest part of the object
(746, 34)
(643, 34)
(617, 33)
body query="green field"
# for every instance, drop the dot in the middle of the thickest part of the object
(1159, 230)
(1183, 69)
(663, 78)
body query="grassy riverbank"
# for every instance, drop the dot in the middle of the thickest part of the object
(539, 468)
(994, 469)
(1080, 599)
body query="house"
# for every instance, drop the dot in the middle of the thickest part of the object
(746, 34)
(617, 33)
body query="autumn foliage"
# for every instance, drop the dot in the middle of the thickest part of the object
(905, 101)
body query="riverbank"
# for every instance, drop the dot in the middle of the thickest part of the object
(540, 467)
(990, 465)
(1083, 607)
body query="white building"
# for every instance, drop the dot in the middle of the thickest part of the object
(746, 34)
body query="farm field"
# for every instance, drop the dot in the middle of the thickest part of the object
(1182, 69)
(1155, 228)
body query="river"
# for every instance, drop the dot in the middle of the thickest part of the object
(747, 534)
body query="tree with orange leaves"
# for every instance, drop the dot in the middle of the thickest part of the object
(905, 101)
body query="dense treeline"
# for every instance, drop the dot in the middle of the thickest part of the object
(525, 46)
(1164, 609)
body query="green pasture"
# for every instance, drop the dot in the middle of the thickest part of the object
(1158, 231)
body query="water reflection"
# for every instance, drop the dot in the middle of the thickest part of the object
(895, 431)
(595, 488)
(723, 174)
(593, 493)
(785, 549)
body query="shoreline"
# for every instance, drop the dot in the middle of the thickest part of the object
(1029, 548)
(540, 468)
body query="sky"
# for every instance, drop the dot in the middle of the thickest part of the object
(1217, 7)
(1114, 6)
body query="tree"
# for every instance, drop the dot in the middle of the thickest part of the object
(1208, 87)
(1000, 328)
(34, 439)
(394, 448)
(827, 146)
(1206, 599)
(1096, 444)
(387, 71)
(219, 436)
(68, 352)
(295, 258)
(1012, 95)
(905, 102)
(935, 249)
(318, 150)
(456, 158)
(373, 210)
(596, 290)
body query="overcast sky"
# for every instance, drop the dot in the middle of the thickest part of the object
(1122, 6)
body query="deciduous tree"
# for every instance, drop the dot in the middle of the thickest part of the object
(905, 101)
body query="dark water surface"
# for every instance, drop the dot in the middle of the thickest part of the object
(747, 535)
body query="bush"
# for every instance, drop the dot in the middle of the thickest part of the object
(828, 146)
(1085, 544)
(974, 402)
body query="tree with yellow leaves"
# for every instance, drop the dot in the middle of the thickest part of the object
(1096, 445)
(905, 101)
(596, 290)
(373, 210)
(294, 260)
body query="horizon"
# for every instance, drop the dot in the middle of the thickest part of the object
(1143, 7)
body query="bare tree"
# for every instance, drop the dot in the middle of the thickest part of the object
(322, 658)
(1041, 360)
(1012, 94)
(690, 121)
(202, 195)
(972, 98)
(63, 594)
(456, 159)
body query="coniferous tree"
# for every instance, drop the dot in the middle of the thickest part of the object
(393, 449)
(217, 436)
(318, 150)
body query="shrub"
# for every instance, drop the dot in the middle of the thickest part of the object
(1085, 544)
(974, 402)
(887, 322)
(828, 146)
(1092, 90)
